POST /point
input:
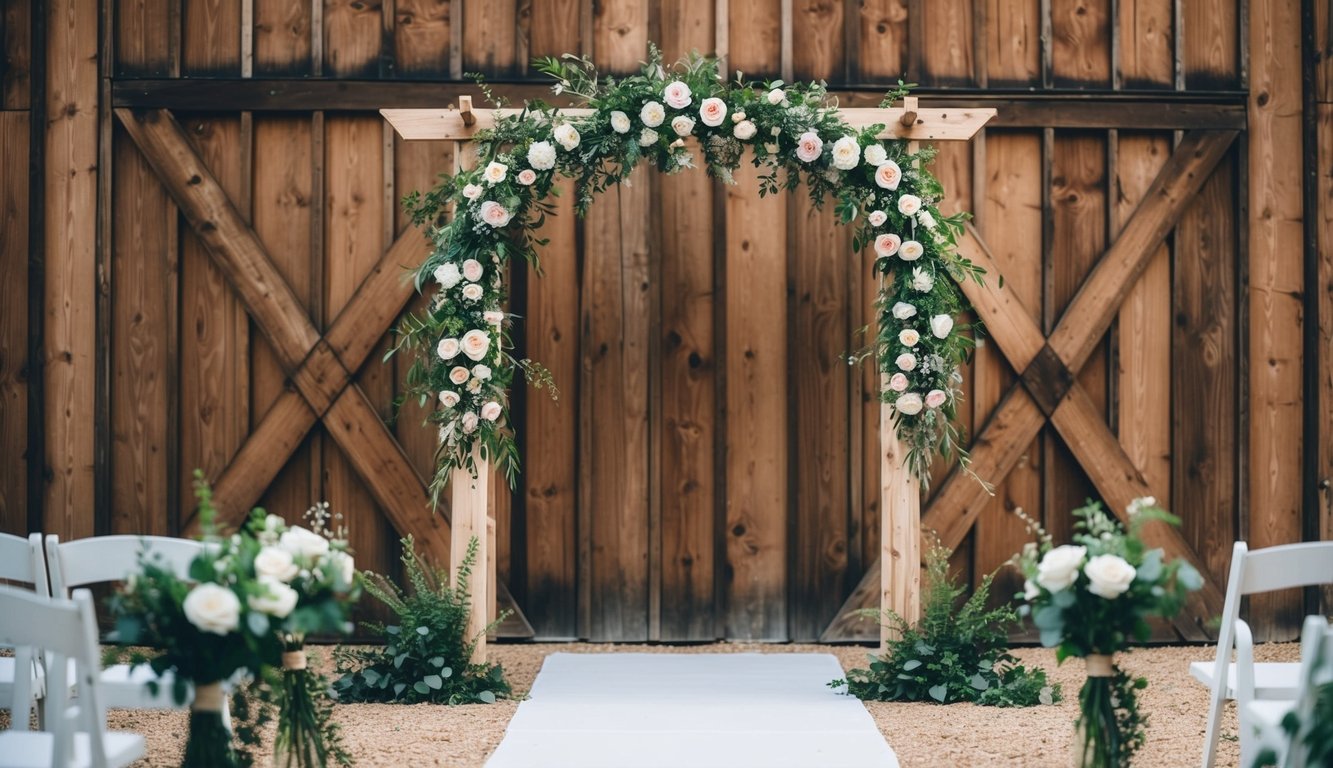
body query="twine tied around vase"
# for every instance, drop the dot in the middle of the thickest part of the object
(1099, 665)
(207, 698)
(293, 660)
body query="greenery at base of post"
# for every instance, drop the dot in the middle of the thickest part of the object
(954, 653)
(427, 655)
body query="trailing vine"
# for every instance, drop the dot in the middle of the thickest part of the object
(794, 134)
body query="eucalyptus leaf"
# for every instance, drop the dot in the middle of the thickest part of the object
(421, 688)
(433, 681)
(938, 692)
(911, 664)
(487, 697)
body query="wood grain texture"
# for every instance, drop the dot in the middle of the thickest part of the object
(14, 359)
(353, 33)
(818, 48)
(947, 50)
(143, 38)
(1147, 43)
(1013, 45)
(882, 49)
(1325, 393)
(283, 32)
(421, 34)
(1212, 55)
(620, 35)
(70, 257)
(1274, 296)
(754, 39)
(16, 47)
(488, 36)
(555, 28)
(210, 38)
(1081, 42)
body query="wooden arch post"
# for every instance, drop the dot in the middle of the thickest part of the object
(900, 493)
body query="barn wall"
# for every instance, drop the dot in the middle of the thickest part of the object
(710, 468)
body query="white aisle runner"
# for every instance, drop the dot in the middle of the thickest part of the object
(723, 710)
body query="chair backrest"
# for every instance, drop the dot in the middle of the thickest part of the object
(1286, 566)
(112, 558)
(65, 629)
(22, 560)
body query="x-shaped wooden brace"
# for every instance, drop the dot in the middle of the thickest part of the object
(320, 368)
(1048, 389)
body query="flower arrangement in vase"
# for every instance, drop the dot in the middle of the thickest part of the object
(1091, 599)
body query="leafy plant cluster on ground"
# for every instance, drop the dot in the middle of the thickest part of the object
(426, 655)
(956, 652)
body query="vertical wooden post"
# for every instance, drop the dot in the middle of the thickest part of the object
(469, 520)
(900, 503)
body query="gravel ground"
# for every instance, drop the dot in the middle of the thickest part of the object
(921, 734)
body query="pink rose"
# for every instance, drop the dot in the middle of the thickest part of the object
(935, 398)
(713, 111)
(448, 399)
(887, 245)
(495, 214)
(459, 375)
(527, 176)
(898, 382)
(677, 95)
(877, 218)
(809, 147)
(888, 175)
(494, 316)
(472, 270)
(475, 345)
(490, 411)
(469, 423)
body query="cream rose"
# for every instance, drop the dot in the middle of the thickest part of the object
(744, 130)
(652, 114)
(472, 191)
(476, 343)
(846, 153)
(809, 147)
(469, 423)
(278, 600)
(902, 310)
(909, 205)
(619, 122)
(677, 95)
(908, 404)
(345, 565)
(481, 371)
(682, 125)
(925, 219)
(877, 218)
(472, 270)
(275, 563)
(527, 177)
(447, 275)
(712, 111)
(898, 382)
(648, 137)
(474, 386)
(1059, 568)
(473, 292)
(776, 96)
(449, 399)
(1109, 576)
(493, 316)
(459, 375)
(303, 542)
(567, 136)
(495, 172)
(490, 411)
(906, 361)
(908, 337)
(495, 214)
(875, 155)
(911, 251)
(941, 325)
(888, 175)
(541, 155)
(935, 398)
(213, 608)
(447, 349)
(887, 244)
(922, 280)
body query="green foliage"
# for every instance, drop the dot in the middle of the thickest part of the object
(955, 653)
(426, 656)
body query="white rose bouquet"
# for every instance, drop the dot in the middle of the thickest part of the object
(1092, 599)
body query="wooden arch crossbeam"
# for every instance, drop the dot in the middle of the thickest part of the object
(320, 368)
(1048, 389)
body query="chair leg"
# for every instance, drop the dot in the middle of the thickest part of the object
(1211, 735)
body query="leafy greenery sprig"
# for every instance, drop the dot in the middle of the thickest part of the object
(792, 132)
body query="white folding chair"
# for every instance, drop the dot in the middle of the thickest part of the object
(21, 561)
(76, 733)
(112, 558)
(1261, 720)
(1263, 570)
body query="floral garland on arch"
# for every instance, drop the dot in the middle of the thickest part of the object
(795, 135)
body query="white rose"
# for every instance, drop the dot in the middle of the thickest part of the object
(909, 403)
(567, 135)
(469, 423)
(908, 337)
(898, 382)
(303, 543)
(875, 155)
(459, 375)
(925, 219)
(935, 398)
(472, 191)
(906, 361)
(1030, 590)
(648, 137)
(482, 372)
(911, 251)
(652, 114)
(473, 292)
(888, 174)
(809, 147)
(345, 565)
(490, 411)
(447, 349)
(476, 343)
(922, 280)
(277, 601)
(213, 608)
(744, 130)
(940, 325)
(619, 122)
(1109, 576)
(676, 95)
(909, 204)
(682, 125)
(495, 214)
(541, 155)
(902, 310)
(449, 399)
(495, 172)
(493, 316)
(712, 111)
(877, 218)
(887, 244)
(776, 96)
(447, 275)
(846, 153)
(275, 563)
(1059, 568)
(472, 270)
(527, 177)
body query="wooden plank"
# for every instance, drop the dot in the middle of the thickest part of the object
(487, 36)
(353, 32)
(1081, 42)
(70, 258)
(1212, 44)
(934, 124)
(947, 51)
(1206, 365)
(882, 49)
(620, 35)
(142, 279)
(213, 380)
(16, 46)
(283, 37)
(143, 37)
(754, 38)
(1013, 42)
(1147, 43)
(421, 36)
(14, 358)
(1275, 269)
(549, 433)
(469, 529)
(817, 40)
(555, 28)
(900, 532)
(1325, 391)
(210, 38)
